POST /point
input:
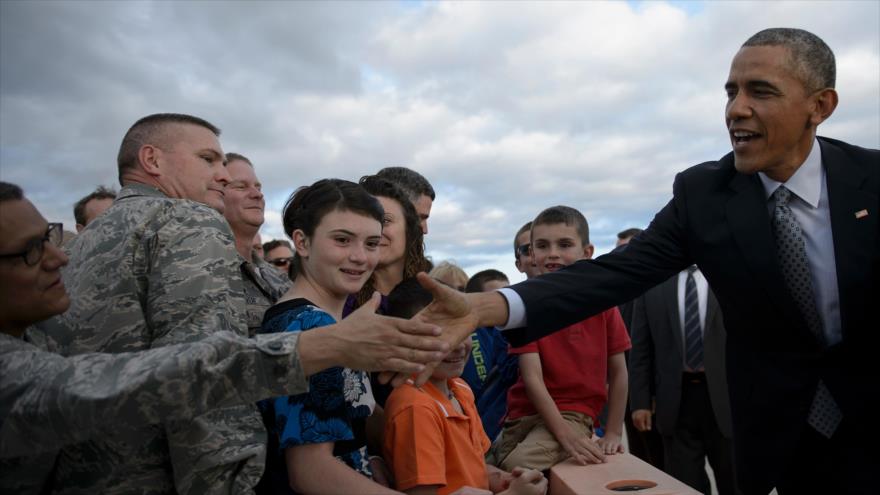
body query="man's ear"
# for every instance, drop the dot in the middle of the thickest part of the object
(300, 243)
(151, 160)
(824, 103)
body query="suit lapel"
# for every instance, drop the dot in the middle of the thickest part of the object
(750, 226)
(853, 236)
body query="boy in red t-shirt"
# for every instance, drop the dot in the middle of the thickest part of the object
(434, 440)
(561, 390)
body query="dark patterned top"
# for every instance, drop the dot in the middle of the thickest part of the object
(334, 410)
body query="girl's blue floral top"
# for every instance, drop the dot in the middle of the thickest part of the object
(334, 410)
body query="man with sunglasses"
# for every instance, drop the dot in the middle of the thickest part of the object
(279, 254)
(243, 208)
(48, 401)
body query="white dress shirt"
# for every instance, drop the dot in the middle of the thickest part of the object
(809, 205)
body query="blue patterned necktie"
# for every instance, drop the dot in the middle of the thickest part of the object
(824, 415)
(693, 330)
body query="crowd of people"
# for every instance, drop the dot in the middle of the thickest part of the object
(165, 348)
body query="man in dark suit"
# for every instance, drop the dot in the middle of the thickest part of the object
(677, 361)
(785, 229)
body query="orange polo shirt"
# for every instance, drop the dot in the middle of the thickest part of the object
(427, 442)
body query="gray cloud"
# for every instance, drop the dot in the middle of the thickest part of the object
(506, 107)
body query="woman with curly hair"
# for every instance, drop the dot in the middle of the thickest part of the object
(402, 249)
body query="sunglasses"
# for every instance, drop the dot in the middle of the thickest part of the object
(280, 261)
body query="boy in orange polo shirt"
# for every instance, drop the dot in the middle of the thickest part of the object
(434, 441)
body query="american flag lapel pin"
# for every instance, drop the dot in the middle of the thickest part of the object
(861, 213)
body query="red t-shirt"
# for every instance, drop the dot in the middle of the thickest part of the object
(428, 442)
(574, 361)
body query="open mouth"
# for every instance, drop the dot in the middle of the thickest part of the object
(743, 137)
(352, 273)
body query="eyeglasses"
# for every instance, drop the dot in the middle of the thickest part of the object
(33, 250)
(524, 249)
(280, 261)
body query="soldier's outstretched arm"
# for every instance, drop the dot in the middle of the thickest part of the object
(48, 401)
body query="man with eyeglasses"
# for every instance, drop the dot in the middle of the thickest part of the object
(48, 401)
(159, 268)
(279, 254)
(243, 208)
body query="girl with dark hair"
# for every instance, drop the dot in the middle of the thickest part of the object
(336, 229)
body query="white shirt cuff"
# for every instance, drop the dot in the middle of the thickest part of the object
(516, 310)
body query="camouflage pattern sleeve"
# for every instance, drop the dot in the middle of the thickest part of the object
(48, 401)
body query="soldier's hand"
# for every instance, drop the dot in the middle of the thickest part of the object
(370, 342)
(452, 311)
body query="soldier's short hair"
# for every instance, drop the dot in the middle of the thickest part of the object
(152, 130)
(567, 215)
(10, 192)
(79, 209)
(811, 60)
(413, 183)
(235, 156)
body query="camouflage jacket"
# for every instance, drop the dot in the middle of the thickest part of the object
(48, 401)
(153, 271)
(263, 285)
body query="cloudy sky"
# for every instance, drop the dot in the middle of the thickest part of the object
(506, 108)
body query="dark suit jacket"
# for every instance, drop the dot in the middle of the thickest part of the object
(718, 219)
(657, 362)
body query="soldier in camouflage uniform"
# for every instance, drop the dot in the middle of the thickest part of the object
(243, 208)
(159, 268)
(48, 401)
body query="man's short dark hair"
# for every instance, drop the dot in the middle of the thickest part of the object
(274, 243)
(10, 192)
(235, 156)
(479, 279)
(628, 233)
(413, 183)
(525, 228)
(408, 298)
(152, 130)
(567, 215)
(812, 60)
(79, 209)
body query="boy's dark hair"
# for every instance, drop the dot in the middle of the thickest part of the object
(274, 243)
(567, 215)
(152, 130)
(10, 192)
(413, 183)
(408, 298)
(236, 156)
(306, 207)
(628, 233)
(525, 228)
(476, 283)
(79, 209)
